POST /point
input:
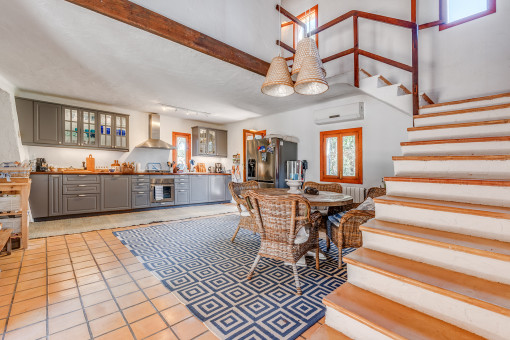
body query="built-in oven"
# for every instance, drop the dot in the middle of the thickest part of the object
(162, 190)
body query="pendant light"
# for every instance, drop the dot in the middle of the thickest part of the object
(308, 67)
(278, 82)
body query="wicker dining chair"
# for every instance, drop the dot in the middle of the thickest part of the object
(347, 233)
(247, 220)
(279, 219)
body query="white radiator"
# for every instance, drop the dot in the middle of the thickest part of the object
(357, 193)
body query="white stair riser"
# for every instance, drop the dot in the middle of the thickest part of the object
(478, 320)
(493, 228)
(492, 130)
(351, 327)
(487, 169)
(477, 194)
(468, 117)
(390, 90)
(458, 149)
(480, 266)
(371, 82)
(463, 106)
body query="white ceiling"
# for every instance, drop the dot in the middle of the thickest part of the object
(57, 48)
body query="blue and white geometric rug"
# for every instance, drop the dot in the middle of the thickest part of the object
(198, 263)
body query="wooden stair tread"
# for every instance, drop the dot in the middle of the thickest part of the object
(455, 112)
(448, 206)
(453, 158)
(390, 318)
(461, 140)
(486, 294)
(459, 125)
(466, 243)
(482, 182)
(470, 100)
(328, 333)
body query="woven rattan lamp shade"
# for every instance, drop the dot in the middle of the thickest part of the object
(306, 48)
(278, 82)
(311, 79)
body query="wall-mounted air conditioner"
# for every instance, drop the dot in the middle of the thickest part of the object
(339, 114)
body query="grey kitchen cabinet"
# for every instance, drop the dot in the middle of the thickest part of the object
(216, 188)
(140, 191)
(182, 196)
(39, 196)
(141, 199)
(116, 192)
(55, 197)
(199, 188)
(113, 131)
(228, 195)
(208, 142)
(70, 126)
(47, 123)
(76, 189)
(80, 204)
(81, 179)
(25, 110)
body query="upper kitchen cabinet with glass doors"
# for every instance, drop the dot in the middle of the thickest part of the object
(113, 131)
(208, 142)
(71, 126)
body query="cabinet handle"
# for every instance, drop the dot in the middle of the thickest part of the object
(82, 175)
(59, 142)
(82, 195)
(141, 192)
(182, 190)
(82, 185)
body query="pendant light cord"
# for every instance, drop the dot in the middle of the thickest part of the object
(280, 28)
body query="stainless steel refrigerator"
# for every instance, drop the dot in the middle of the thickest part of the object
(266, 161)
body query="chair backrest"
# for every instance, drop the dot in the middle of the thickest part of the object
(279, 217)
(236, 189)
(333, 187)
(376, 192)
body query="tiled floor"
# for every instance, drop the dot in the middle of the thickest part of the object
(85, 286)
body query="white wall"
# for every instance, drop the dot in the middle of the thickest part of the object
(465, 61)
(10, 143)
(139, 130)
(383, 129)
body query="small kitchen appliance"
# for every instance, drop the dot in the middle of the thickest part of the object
(41, 165)
(218, 168)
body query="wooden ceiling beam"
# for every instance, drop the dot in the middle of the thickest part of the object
(291, 16)
(152, 22)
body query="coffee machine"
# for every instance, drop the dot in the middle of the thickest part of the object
(218, 168)
(41, 165)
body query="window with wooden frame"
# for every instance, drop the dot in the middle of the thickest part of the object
(341, 156)
(456, 12)
(182, 153)
(309, 17)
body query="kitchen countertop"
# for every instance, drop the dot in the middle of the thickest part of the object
(120, 173)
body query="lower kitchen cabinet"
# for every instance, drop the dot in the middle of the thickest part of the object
(216, 188)
(116, 192)
(80, 204)
(228, 195)
(181, 196)
(140, 200)
(39, 196)
(199, 188)
(55, 207)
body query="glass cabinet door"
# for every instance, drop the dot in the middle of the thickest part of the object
(105, 130)
(88, 125)
(70, 126)
(121, 132)
(202, 141)
(211, 142)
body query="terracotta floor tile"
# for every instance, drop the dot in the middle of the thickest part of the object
(29, 293)
(122, 333)
(35, 261)
(165, 301)
(148, 326)
(129, 261)
(106, 324)
(80, 332)
(139, 311)
(155, 291)
(8, 289)
(140, 274)
(101, 309)
(119, 280)
(61, 269)
(8, 273)
(322, 321)
(310, 331)
(124, 289)
(25, 319)
(33, 275)
(63, 295)
(148, 281)
(28, 305)
(60, 277)
(35, 331)
(4, 311)
(84, 264)
(66, 321)
(135, 267)
(176, 314)
(92, 288)
(131, 299)
(79, 259)
(85, 280)
(10, 266)
(106, 259)
(110, 266)
(57, 252)
(64, 307)
(165, 334)
(58, 263)
(34, 268)
(189, 328)
(59, 257)
(2, 326)
(86, 271)
(8, 281)
(99, 255)
(62, 285)
(207, 336)
(92, 299)
(114, 272)
(79, 253)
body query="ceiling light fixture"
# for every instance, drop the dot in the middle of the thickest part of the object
(278, 82)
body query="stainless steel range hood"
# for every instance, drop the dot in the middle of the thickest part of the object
(154, 141)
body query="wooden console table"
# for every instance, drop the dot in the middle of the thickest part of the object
(21, 186)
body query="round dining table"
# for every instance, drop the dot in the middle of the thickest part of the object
(323, 199)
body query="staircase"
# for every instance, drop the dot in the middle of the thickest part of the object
(435, 262)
